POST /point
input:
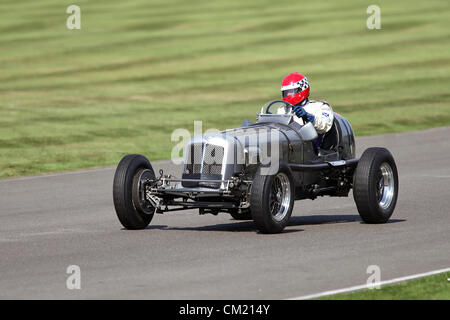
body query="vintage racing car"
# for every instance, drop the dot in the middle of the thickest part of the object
(257, 171)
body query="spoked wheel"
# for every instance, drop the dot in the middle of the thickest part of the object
(385, 186)
(272, 200)
(279, 197)
(376, 185)
(133, 211)
(138, 192)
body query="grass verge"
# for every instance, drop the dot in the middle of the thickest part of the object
(435, 287)
(139, 69)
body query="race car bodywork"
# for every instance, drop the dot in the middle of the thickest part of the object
(256, 172)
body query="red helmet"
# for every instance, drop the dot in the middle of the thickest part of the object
(295, 88)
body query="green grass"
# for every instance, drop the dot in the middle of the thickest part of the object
(138, 69)
(436, 287)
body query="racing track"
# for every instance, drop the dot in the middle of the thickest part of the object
(50, 222)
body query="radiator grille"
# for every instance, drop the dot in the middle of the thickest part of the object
(194, 158)
(212, 161)
(208, 156)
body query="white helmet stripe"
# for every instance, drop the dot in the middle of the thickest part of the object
(303, 84)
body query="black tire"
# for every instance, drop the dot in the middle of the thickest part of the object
(125, 193)
(260, 201)
(375, 188)
(244, 215)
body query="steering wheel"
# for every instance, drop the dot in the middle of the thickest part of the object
(287, 106)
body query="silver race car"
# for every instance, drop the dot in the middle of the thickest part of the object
(257, 171)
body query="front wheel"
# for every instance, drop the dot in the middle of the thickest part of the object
(133, 211)
(272, 200)
(375, 187)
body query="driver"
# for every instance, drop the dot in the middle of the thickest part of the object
(295, 90)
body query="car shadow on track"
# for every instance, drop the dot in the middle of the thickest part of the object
(241, 226)
(325, 219)
(249, 226)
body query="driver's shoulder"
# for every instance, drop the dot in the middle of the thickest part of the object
(318, 103)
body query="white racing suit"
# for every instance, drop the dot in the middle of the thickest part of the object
(322, 112)
(323, 119)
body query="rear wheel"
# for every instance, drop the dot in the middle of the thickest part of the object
(133, 211)
(376, 185)
(272, 200)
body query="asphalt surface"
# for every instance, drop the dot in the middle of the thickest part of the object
(50, 222)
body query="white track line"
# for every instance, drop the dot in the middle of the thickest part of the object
(365, 286)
